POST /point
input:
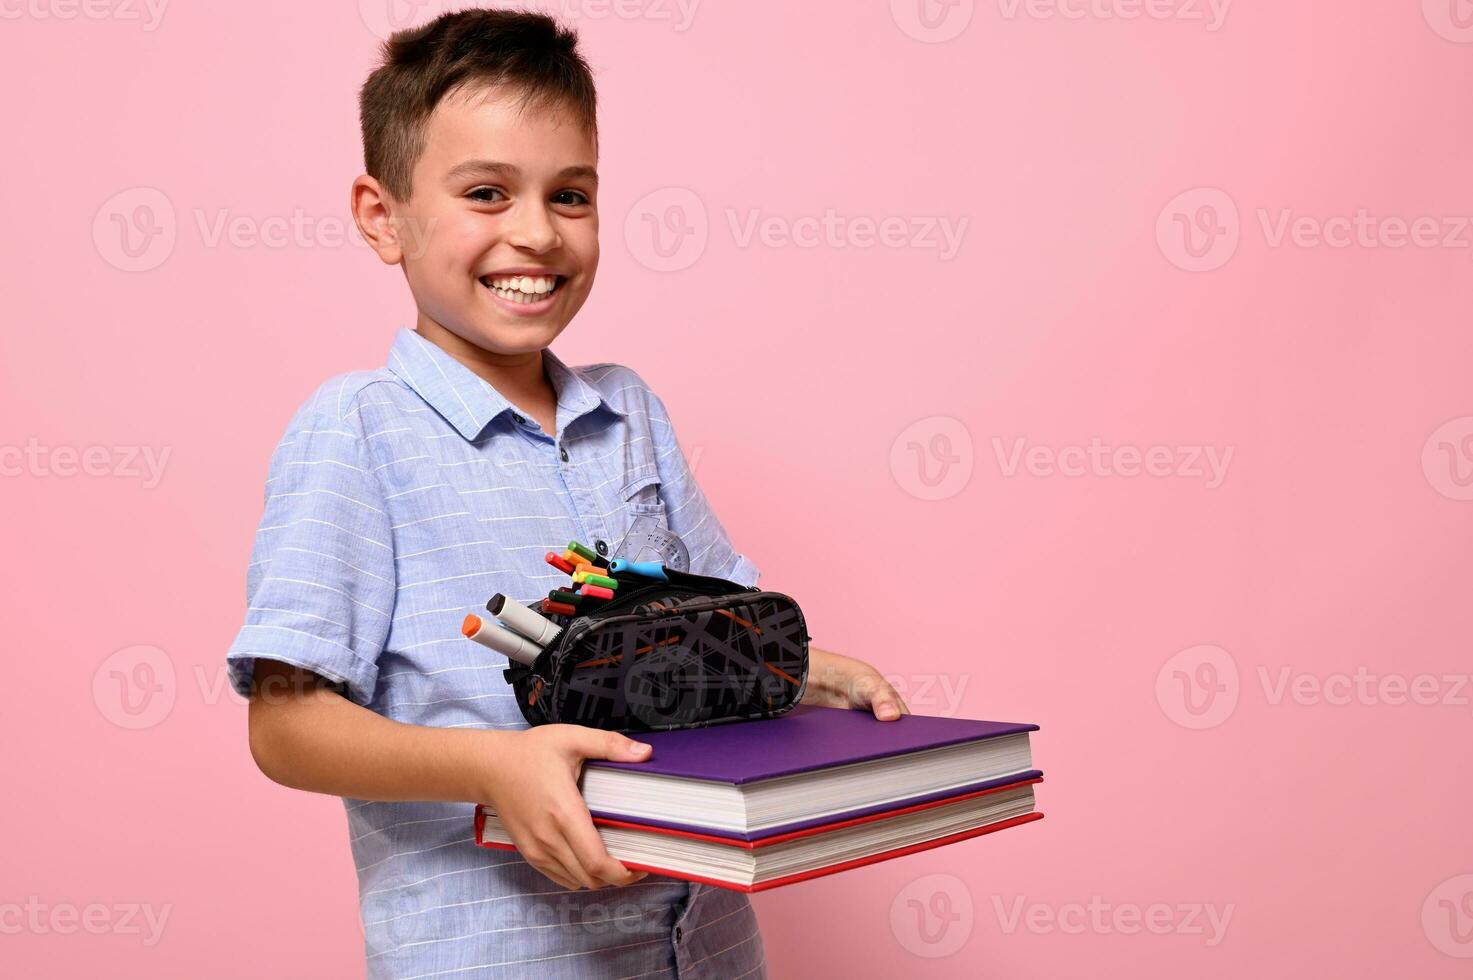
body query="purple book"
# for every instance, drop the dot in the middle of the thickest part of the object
(811, 739)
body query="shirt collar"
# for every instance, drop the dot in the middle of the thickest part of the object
(467, 401)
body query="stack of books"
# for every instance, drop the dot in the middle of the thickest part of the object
(758, 804)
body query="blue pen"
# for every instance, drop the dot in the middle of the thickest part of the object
(649, 569)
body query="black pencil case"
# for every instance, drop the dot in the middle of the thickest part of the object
(683, 653)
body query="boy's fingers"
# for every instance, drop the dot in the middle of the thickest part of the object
(557, 877)
(551, 869)
(887, 703)
(613, 746)
(876, 693)
(595, 860)
(573, 867)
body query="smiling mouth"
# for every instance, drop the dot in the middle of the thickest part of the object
(523, 289)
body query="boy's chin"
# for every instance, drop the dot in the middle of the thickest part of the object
(517, 337)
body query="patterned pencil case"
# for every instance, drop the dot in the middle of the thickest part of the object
(686, 652)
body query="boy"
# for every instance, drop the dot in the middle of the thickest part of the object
(400, 498)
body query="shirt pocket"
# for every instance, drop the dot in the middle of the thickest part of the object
(641, 496)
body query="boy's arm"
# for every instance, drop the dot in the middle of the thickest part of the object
(306, 736)
(321, 592)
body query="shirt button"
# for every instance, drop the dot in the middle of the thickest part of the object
(601, 547)
(518, 418)
(679, 934)
(564, 454)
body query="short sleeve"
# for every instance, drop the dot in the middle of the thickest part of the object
(320, 587)
(687, 509)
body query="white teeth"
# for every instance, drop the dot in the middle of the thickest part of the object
(522, 289)
(525, 284)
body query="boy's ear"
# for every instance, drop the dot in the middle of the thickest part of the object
(373, 212)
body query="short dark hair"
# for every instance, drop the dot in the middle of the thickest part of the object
(522, 50)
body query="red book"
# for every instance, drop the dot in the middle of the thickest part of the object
(782, 859)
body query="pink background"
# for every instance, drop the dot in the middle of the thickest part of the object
(1337, 541)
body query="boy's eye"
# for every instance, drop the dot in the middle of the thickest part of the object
(570, 198)
(483, 194)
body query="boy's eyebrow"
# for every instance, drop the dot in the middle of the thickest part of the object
(472, 168)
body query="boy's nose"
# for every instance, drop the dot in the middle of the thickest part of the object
(533, 230)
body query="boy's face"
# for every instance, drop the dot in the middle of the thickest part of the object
(501, 231)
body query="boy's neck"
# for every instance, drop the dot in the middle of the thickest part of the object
(520, 378)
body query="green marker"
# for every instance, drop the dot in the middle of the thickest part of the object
(592, 579)
(578, 549)
(561, 595)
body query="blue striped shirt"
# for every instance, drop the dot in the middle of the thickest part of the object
(399, 500)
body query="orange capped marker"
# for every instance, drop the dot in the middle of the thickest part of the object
(510, 645)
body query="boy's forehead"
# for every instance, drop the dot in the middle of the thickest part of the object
(490, 122)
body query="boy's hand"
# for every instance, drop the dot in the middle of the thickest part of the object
(534, 787)
(837, 681)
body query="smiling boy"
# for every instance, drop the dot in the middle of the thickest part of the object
(399, 498)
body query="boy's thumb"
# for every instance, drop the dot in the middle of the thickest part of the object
(619, 748)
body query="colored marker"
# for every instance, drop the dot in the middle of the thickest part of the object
(561, 608)
(587, 553)
(559, 562)
(649, 569)
(564, 596)
(593, 578)
(539, 630)
(596, 591)
(500, 639)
